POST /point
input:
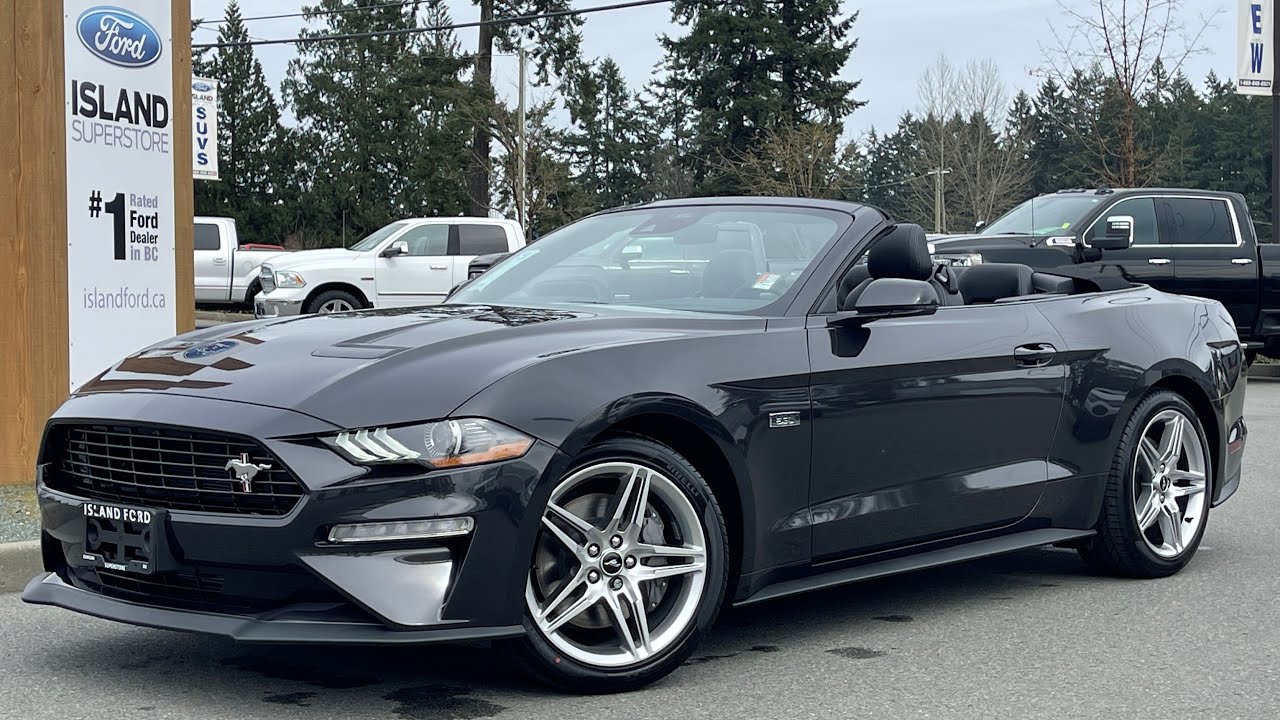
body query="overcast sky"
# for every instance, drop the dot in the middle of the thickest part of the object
(897, 39)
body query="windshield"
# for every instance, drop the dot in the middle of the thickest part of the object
(372, 241)
(1045, 215)
(703, 259)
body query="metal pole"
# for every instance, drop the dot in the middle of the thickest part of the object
(522, 201)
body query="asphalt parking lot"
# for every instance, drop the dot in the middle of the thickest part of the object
(1030, 635)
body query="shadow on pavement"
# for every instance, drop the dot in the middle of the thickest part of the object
(442, 681)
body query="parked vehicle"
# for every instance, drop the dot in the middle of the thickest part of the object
(407, 263)
(226, 271)
(587, 456)
(1191, 242)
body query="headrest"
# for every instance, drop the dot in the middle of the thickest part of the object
(995, 281)
(903, 253)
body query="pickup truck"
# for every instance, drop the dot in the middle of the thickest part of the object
(1190, 242)
(226, 271)
(409, 262)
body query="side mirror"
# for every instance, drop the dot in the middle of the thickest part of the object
(1118, 234)
(979, 225)
(887, 298)
(395, 249)
(632, 252)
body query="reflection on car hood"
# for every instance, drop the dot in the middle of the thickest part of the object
(371, 367)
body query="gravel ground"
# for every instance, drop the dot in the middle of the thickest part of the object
(18, 518)
(1027, 635)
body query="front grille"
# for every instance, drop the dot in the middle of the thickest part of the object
(166, 468)
(184, 588)
(267, 279)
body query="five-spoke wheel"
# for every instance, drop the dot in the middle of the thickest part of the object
(626, 571)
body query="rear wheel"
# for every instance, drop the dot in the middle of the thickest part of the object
(628, 571)
(1157, 500)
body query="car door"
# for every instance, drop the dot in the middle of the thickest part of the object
(212, 269)
(475, 239)
(929, 427)
(422, 277)
(1150, 259)
(1211, 258)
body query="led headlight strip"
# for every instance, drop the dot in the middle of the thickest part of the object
(440, 444)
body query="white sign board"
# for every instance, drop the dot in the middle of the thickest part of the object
(1255, 72)
(204, 128)
(120, 246)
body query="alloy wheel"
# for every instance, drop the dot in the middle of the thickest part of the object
(620, 565)
(333, 306)
(1170, 483)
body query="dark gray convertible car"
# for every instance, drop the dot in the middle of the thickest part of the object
(644, 416)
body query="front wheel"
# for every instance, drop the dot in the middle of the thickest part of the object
(1157, 500)
(628, 572)
(332, 301)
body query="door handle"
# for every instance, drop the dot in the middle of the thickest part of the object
(219, 261)
(1241, 261)
(1034, 354)
(439, 267)
(1158, 261)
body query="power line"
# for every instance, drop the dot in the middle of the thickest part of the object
(356, 8)
(436, 28)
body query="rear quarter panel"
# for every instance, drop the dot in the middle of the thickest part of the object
(1121, 344)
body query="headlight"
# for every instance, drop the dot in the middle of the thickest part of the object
(287, 279)
(442, 444)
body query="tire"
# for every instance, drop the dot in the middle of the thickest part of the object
(1122, 547)
(254, 290)
(588, 653)
(334, 299)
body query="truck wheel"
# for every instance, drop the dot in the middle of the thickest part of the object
(254, 291)
(331, 301)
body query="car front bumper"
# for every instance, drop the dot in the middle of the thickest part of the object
(277, 305)
(277, 578)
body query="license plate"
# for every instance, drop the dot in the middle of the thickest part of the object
(118, 537)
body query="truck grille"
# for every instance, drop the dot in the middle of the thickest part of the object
(267, 279)
(167, 468)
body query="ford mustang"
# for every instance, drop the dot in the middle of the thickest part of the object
(650, 414)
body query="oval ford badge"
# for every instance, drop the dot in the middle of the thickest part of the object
(119, 36)
(201, 86)
(211, 348)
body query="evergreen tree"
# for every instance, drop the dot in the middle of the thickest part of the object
(751, 65)
(380, 119)
(249, 159)
(606, 143)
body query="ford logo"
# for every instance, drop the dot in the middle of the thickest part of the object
(119, 36)
(200, 86)
(200, 352)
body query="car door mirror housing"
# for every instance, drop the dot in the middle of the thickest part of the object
(395, 249)
(886, 298)
(1117, 233)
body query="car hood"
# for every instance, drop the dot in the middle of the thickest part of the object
(379, 367)
(303, 259)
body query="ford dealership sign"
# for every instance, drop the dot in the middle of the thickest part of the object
(119, 36)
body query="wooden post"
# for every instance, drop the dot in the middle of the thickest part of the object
(34, 367)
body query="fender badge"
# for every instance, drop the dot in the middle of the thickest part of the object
(784, 419)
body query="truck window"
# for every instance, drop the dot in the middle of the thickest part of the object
(481, 239)
(1200, 221)
(427, 240)
(1143, 211)
(207, 237)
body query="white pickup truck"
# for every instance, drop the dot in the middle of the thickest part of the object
(226, 271)
(409, 262)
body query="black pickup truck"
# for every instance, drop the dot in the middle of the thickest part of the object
(1191, 242)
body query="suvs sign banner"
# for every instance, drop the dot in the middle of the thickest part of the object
(1255, 73)
(119, 146)
(204, 128)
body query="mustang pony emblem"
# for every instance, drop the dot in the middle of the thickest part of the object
(245, 471)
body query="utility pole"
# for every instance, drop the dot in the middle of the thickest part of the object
(939, 199)
(522, 181)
